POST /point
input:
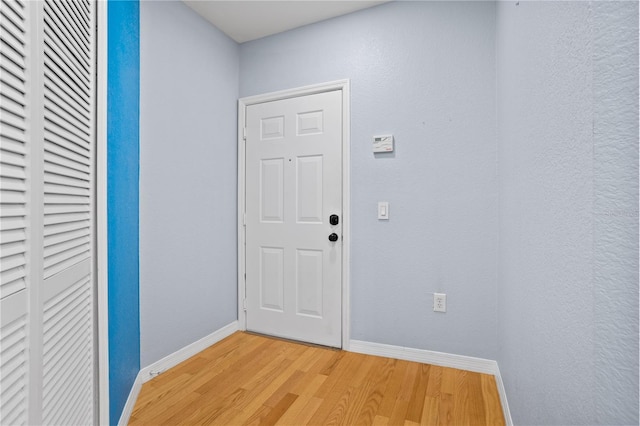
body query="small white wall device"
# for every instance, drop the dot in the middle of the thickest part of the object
(383, 210)
(383, 143)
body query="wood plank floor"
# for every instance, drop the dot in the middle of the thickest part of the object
(247, 379)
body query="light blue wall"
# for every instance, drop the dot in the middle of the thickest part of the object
(425, 72)
(513, 187)
(188, 174)
(615, 202)
(122, 201)
(568, 157)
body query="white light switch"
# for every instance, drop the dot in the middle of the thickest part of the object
(383, 210)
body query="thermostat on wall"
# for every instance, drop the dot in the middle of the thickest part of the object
(383, 143)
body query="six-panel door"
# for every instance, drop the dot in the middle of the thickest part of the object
(293, 186)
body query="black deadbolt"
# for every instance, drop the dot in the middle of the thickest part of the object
(334, 219)
(333, 237)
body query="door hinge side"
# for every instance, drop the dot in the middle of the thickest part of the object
(244, 219)
(244, 304)
(244, 133)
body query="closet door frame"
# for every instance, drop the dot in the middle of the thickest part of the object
(101, 250)
(33, 296)
(27, 300)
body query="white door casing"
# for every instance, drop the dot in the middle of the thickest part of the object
(294, 179)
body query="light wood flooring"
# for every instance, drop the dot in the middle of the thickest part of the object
(247, 379)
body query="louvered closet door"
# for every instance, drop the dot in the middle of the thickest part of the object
(68, 360)
(47, 208)
(14, 182)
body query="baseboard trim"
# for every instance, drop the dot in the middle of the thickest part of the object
(477, 365)
(503, 397)
(158, 367)
(131, 400)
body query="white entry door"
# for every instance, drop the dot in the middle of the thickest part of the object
(294, 218)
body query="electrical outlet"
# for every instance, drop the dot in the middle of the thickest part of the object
(439, 302)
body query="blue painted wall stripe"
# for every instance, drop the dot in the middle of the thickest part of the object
(123, 170)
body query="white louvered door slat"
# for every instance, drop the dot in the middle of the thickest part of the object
(14, 186)
(47, 145)
(13, 372)
(13, 138)
(68, 367)
(68, 353)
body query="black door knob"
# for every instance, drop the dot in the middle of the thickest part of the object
(334, 219)
(333, 237)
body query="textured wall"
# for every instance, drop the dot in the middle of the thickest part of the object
(526, 217)
(122, 200)
(425, 72)
(615, 215)
(189, 90)
(568, 167)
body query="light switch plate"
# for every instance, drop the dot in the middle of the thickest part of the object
(383, 210)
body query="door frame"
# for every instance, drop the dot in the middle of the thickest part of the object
(243, 103)
(101, 263)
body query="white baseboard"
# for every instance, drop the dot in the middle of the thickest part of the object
(478, 365)
(461, 362)
(158, 367)
(503, 397)
(131, 400)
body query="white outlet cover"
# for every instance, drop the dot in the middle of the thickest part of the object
(439, 302)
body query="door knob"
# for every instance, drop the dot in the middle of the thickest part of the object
(333, 237)
(334, 219)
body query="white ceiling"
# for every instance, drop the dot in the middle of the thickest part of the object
(245, 20)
